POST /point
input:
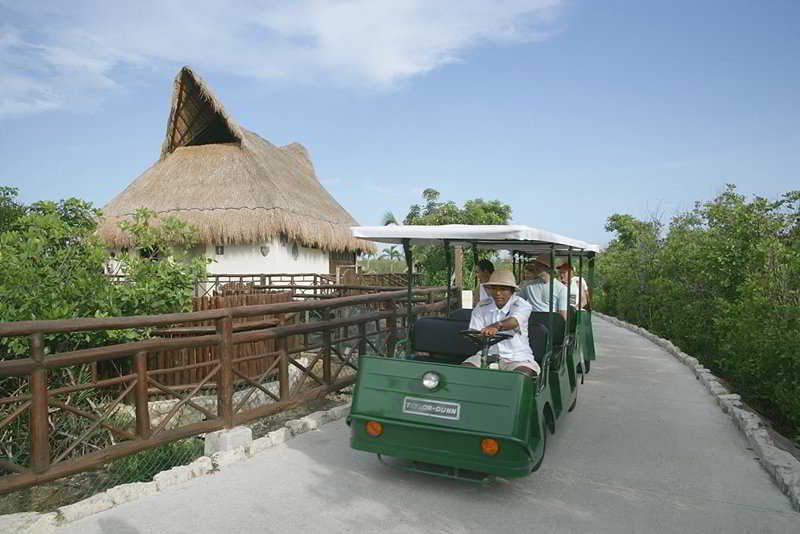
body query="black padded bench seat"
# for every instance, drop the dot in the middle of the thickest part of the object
(440, 337)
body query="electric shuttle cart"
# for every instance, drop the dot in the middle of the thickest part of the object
(424, 412)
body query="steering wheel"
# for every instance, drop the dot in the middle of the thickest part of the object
(481, 339)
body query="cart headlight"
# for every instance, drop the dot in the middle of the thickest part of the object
(430, 380)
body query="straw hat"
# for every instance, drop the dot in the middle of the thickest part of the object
(544, 259)
(502, 278)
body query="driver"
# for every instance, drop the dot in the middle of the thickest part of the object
(508, 313)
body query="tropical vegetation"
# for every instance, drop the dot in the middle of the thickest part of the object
(433, 260)
(722, 281)
(52, 266)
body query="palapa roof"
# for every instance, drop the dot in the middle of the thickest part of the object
(229, 183)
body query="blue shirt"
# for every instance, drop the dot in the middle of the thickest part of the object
(537, 293)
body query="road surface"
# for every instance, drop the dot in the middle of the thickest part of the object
(646, 451)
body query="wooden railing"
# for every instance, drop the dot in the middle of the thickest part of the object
(386, 279)
(234, 283)
(226, 284)
(345, 327)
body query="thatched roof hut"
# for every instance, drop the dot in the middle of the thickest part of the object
(232, 185)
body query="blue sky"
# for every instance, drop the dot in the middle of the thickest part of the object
(569, 111)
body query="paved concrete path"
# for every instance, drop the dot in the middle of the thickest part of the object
(646, 451)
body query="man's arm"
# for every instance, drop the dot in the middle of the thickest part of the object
(509, 323)
(518, 315)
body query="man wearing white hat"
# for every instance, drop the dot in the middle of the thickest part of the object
(508, 313)
(537, 290)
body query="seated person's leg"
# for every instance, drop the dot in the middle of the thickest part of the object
(473, 361)
(526, 368)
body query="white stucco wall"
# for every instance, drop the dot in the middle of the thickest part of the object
(246, 259)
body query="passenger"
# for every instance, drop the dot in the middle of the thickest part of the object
(483, 270)
(508, 313)
(537, 289)
(565, 273)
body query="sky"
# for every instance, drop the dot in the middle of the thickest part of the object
(567, 110)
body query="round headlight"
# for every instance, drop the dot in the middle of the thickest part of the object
(430, 380)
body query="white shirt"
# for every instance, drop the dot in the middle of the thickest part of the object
(537, 293)
(573, 291)
(482, 293)
(516, 348)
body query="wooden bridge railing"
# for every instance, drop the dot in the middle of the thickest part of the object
(344, 328)
(223, 284)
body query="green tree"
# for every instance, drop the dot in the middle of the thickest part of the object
(52, 267)
(10, 210)
(163, 272)
(393, 256)
(434, 212)
(724, 285)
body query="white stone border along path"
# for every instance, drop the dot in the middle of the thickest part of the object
(231, 446)
(782, 466)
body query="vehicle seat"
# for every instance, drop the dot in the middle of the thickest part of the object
(543, 318)
(537, 339)
(572, 313)
(462, 314)
(440, 337)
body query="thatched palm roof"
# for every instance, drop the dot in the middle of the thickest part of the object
(229, 183)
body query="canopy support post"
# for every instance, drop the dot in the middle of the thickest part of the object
(552, 271)
(569, 280)
(449, 259)
(409, 272)
(580, 281)
(475, 260)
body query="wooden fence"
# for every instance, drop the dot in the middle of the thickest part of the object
(325, 358)
(385, 279)
(230, 284)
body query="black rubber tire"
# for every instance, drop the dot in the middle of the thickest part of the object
(544, 451)
(574, 402)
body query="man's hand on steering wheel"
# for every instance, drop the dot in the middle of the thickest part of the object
(490, 330)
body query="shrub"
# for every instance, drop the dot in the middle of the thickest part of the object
(724, 285)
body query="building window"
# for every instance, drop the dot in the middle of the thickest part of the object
(219, 250)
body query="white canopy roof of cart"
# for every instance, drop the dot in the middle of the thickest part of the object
(495, 237)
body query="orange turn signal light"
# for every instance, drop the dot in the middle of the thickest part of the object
(374, 428)
(489, 446)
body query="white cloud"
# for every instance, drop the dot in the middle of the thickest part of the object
(52, 54)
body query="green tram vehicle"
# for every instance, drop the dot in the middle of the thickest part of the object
(425, 412)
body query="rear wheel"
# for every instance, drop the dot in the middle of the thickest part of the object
(544, 449)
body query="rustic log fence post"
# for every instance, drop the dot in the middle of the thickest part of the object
(327, 315)
(391, 326)
(225, 376)
(362, 339)
(40, 442)
(283, 367)
(141, 397)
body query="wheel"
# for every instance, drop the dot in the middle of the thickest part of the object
(544, 449)
(574, 402)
